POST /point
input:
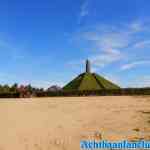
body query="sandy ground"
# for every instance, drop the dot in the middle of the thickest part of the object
(60, 123)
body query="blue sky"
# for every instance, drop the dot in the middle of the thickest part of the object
(45, 42)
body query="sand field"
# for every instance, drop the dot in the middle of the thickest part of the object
(60, 123)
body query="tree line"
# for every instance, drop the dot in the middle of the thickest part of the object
(23, 91)
(103, 92)
(26, 91)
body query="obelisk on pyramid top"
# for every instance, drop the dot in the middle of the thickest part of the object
(88, 67)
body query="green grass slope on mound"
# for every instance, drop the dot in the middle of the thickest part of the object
(106, 84)
(74, 84)
(89, 83)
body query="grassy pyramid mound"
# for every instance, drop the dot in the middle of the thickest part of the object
(90, 81)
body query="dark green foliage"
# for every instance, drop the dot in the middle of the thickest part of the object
(27, 91)
(102, 92)
(6, 88)
(16, 91)
(29, 88)
(13, 88)
(10, 95)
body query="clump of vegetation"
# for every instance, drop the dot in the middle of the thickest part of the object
(26, 91)
(136, 129)
(23, 91)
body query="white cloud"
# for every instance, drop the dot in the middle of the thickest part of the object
(111, 44)
(143, 81)
(136, 26)
(142, 44)
(106, 58)
(84, 9)
(109, 40)
(108, 45)
(134, 64)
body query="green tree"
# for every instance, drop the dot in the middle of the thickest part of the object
(14, 88)
(6, 88)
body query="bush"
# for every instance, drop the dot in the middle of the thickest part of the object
(115, 92)
(10, 95)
